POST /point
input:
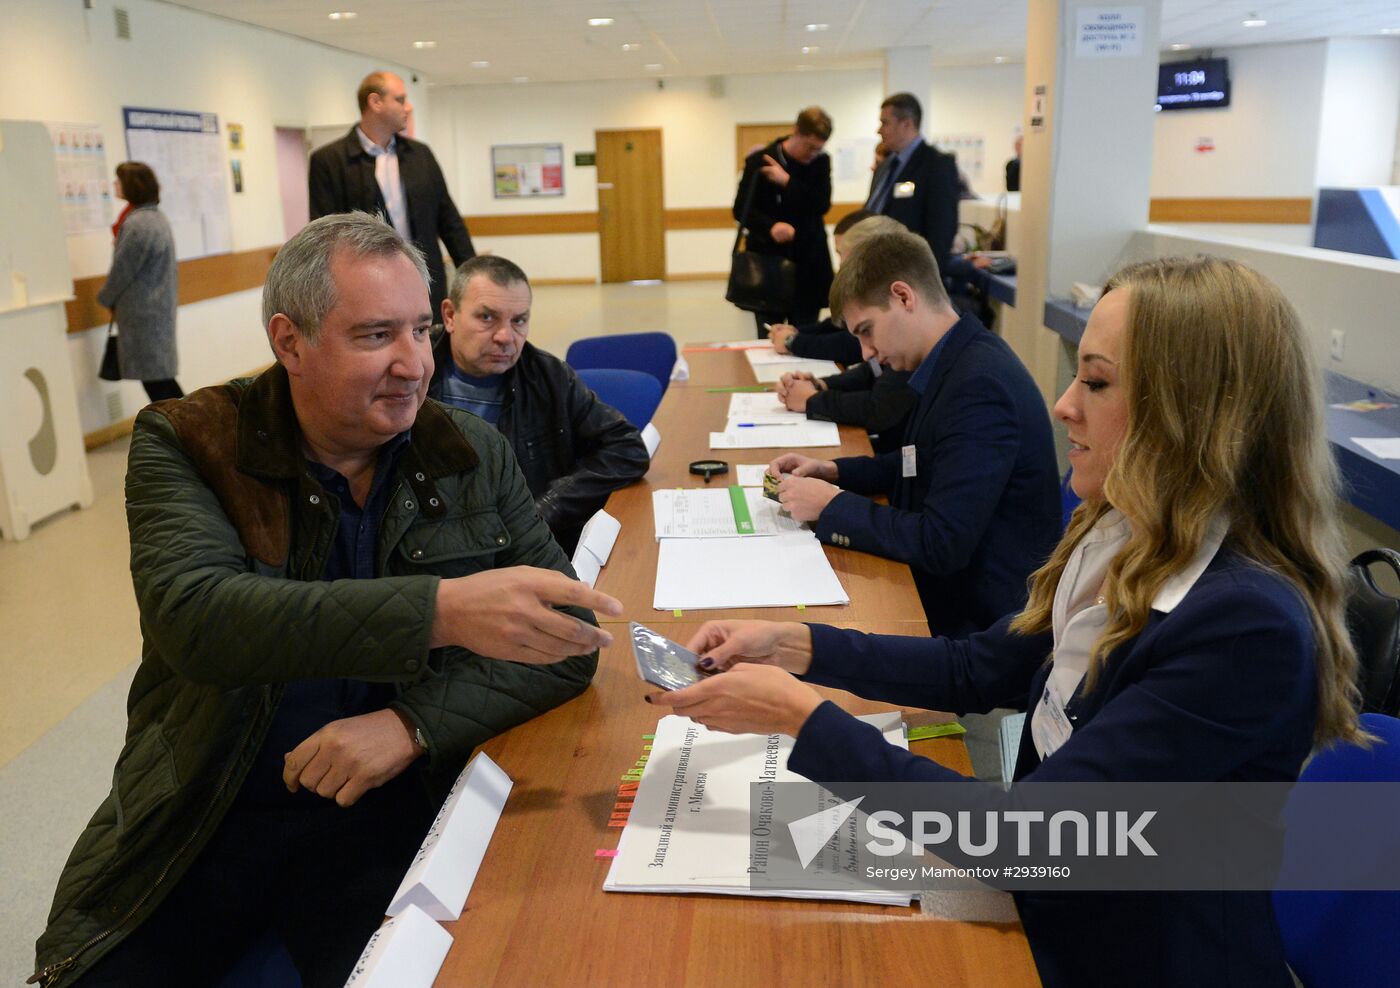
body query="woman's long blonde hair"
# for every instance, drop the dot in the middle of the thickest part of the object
(1224, 418)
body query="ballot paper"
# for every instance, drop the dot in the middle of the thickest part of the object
(751, 474)
(651, 438)
(776, 435)
(1383, 448)
(778, 571)
(761, 407)
(406, 952)
(595, 545)
(689, 830)
(710, 512)
(773, 372)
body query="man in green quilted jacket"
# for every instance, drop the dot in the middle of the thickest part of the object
(344, 589)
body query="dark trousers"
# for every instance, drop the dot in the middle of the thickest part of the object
(160, 390)
(316, 876)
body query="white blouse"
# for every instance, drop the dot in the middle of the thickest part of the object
(1079, 615)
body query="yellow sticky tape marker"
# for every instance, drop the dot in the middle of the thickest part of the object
(676, 612)
(801, 607)
(926, 731)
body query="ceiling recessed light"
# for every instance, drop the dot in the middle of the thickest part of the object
(817, 27)
(1179, 47)
(810, 49)
(999, 59)
(342, 15)
(481, 64)
(630, 46)
(599, 21)
(521, 78)
(1253, 21)
(654, 66)
(1390, 30)
(425, 44)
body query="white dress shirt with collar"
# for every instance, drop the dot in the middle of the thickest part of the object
(1079, 615)
(386, 173)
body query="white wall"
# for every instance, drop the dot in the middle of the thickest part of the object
(697, 149)
(59, 62)
(1360, 105)
(985, 100)
(1265, 140)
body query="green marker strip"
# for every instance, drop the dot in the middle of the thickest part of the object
(936, 731)
(743, 523)
(676, 612)
(739, 388)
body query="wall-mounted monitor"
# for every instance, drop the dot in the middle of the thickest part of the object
(1193, 85)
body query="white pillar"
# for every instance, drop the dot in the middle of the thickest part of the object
(909, 70)
(1086, 161)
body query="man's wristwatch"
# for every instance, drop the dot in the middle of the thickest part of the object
(418, 738)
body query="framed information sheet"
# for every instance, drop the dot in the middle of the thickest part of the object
(521, 171)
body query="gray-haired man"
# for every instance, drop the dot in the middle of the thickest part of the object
(329, 573)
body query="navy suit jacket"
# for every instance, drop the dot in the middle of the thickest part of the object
(1221, 689)
(931, 210)
(983, 510)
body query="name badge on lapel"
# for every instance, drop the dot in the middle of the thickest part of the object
(910, 466)
(904, 190)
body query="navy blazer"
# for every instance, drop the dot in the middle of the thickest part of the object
(1221, 688)
(340, 179)
(983, 510)
(931, 210)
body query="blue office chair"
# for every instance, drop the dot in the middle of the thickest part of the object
(1344, 939)
(651, 353)
(633, 393)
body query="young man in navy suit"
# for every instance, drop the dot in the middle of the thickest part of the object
(974, 497)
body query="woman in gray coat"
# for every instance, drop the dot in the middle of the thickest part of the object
(141, 288)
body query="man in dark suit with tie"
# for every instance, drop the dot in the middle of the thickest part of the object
(375, 169)
(917, 184)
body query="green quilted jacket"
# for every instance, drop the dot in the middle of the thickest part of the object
(229, 535)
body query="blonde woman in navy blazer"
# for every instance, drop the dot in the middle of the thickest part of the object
(1192, 614)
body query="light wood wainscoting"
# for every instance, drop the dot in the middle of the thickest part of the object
(223, 274)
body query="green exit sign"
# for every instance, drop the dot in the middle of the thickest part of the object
(582, 158)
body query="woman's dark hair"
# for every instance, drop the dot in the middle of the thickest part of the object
(139, 185)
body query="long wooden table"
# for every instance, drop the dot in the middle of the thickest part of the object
(537, 914)
(880, 589)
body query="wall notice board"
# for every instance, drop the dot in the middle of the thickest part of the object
(522, 171)
(184, 150)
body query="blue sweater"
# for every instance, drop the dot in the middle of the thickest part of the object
(1222, 688)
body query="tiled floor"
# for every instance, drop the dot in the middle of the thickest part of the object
(71, 636)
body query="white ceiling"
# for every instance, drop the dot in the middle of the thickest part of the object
(550, 40)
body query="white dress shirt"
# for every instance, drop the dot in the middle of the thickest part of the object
(1079, 615)
(386, 173)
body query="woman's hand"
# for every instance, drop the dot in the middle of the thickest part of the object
(721, 644)
(748, 699)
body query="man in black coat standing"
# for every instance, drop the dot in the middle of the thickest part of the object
(917, 184)
(375, 169)
(782, 202)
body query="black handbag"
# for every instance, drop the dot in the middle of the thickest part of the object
(111, 369)
(759, 282)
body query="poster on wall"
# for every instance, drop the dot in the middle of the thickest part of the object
(970, 150)
(84, 181)
(185, 151)
(525, 170)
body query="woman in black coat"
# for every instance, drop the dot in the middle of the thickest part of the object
(790, 184)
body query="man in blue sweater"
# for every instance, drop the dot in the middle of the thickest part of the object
(973, 492)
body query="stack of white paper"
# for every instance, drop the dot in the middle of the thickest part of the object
(776, 435)
(702, 842)
(702, 513)
(763, 407)
(769, 365)
(780, 571)
(750, 474)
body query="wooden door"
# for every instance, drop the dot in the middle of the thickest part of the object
(748, 137)
(631, 216)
